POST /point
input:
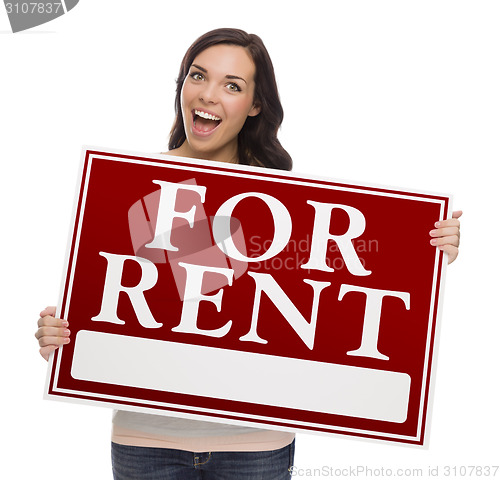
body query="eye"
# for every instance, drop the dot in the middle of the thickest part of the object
(197, 76)
(234, 87)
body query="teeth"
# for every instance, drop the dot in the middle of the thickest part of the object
(208, 116)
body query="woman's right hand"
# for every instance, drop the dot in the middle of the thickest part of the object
(52, 332)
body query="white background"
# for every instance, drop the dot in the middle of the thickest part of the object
(392, 92)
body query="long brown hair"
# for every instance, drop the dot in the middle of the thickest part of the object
(257, 141)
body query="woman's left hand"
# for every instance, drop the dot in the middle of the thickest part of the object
(446, 235)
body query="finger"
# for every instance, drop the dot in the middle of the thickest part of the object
(46, 351)
(56, 341)
(49, 321)
(48, 311)
(52, 332)
(457, 214)
(451, 222)
(450, 240)
(451, 251)
(445, 231)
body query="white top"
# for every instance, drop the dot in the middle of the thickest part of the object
(145, 430)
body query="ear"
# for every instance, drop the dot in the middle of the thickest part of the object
(255, 110)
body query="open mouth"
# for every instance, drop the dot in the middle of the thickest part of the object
(204, 122)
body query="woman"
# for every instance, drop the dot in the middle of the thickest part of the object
(227, 109)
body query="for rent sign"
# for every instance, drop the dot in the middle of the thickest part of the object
(248, 295)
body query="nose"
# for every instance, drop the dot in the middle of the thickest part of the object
(209, 93)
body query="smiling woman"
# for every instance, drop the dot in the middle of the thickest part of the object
(227, 109)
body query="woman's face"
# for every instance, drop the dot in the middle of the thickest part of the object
(217, 97)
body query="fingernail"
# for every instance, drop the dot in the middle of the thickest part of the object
(66, 340)
(437, 224)
(433, 241)
(432, 232)
(66, 333)
(65, 323)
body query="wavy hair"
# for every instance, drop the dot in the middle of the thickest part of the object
(258, 143)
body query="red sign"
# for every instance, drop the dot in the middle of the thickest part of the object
(248, 295)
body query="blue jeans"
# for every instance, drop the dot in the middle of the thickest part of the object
(144, 463)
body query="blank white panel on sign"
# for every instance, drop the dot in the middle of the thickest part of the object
(241, 376)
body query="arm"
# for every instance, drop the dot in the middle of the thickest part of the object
(446, 235)
(52, 332)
